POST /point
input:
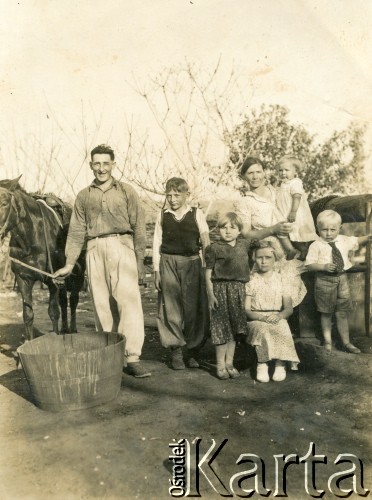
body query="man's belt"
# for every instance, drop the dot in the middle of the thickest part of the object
(110, 235)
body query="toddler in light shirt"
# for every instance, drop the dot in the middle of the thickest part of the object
(329, 258)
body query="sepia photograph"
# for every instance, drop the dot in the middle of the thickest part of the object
(185, 249)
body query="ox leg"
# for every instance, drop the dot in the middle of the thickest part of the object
(53, 309)
(25, 287)
(63, 305)
(74, 301)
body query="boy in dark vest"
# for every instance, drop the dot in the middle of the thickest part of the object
(181, 231)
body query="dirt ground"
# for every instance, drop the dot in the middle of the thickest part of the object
(120, 450)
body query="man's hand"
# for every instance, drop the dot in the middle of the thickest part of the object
(62, 273)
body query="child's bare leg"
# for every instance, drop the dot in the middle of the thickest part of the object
(326, 322)
(288, 248)
(343, 330)
(230, 351)
(221, 361)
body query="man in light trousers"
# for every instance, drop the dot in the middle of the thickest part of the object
(109, 217)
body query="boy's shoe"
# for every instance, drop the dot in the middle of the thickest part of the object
(352, 349)
(192, 358)
(192, 363)
(222, 374)
(177, 362)
(137, 370)
(279, 373)
(233, 372)
(262, 372)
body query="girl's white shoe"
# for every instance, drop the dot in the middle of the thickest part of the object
(262, 372)
(279, 373)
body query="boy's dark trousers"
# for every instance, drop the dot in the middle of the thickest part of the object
(183, 316)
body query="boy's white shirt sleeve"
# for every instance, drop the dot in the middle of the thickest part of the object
(156, 244)
(312, 254)
(203, 231)
(201, 222)
(354, 244)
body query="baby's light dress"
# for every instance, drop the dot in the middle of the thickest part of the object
(303, 228)
(259, 213)
(275, 341)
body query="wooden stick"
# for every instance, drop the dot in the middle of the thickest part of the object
(31, 267)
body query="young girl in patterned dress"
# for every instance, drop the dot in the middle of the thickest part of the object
(227, 271)
(268, 305)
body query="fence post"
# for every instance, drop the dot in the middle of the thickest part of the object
(368, 280)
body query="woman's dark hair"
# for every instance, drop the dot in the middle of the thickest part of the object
(248, 162)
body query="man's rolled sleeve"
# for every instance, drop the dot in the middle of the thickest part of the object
(77, 231)
(137, 220)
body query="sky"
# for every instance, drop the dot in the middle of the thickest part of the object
(66, 66)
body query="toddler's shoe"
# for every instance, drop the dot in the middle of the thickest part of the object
(294, 366)
(279, 373)
(352, 349)
(262, 372)
(222, 374)
(233, 372)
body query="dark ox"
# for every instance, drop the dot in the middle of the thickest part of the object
(38, 238)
